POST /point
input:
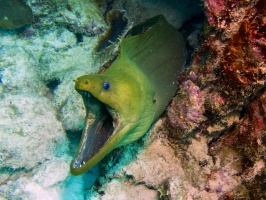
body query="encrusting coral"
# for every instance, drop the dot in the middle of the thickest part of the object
(229, 70)
(223, 68)
(190, 105)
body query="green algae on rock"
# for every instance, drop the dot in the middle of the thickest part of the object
(14, 14)
(130, 95)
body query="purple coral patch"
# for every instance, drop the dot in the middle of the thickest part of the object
(186, 110)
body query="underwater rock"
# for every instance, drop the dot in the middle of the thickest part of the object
(248, 66)
(16, 73)
(13, 114)
(229, 71)
(249, 135)
(127, 190)
(187, 109)
(174, 172)
(243, 57)
(32, 142)
(164, 162)
(62, 56)
(137, 11)
(223, 78)
(14, 14)
(34, 146)
(117, 22)
(81, 17)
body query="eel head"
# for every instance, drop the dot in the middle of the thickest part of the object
(112, 115)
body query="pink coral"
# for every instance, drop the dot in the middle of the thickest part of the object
(222, 95)
(186, 110)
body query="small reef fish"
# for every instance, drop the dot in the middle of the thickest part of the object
(132, 93)
(14, 14)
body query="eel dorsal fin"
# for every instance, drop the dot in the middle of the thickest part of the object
(160, 53)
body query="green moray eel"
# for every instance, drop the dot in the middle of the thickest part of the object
(123, 101)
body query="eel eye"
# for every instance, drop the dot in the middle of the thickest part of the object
(106, 85)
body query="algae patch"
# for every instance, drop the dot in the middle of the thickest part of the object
(14, 14)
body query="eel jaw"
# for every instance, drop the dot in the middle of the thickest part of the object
(96, 133)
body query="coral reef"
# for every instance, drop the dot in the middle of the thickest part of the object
(226, 79)
(81, 17)
(190, 105)
(176, 12)
(210, 144)
(126, 190)
(228, 71)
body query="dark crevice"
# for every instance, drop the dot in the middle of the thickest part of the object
(243, 111)
(11, 170)
(79, 37)
(188, 28)
(117, 25)
(53, 84)
(74, 138)
(222, 133)
(109, 7)
(247, 163)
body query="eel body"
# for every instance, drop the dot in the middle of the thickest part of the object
(123, 101)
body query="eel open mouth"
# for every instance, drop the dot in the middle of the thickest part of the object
(97, 130)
